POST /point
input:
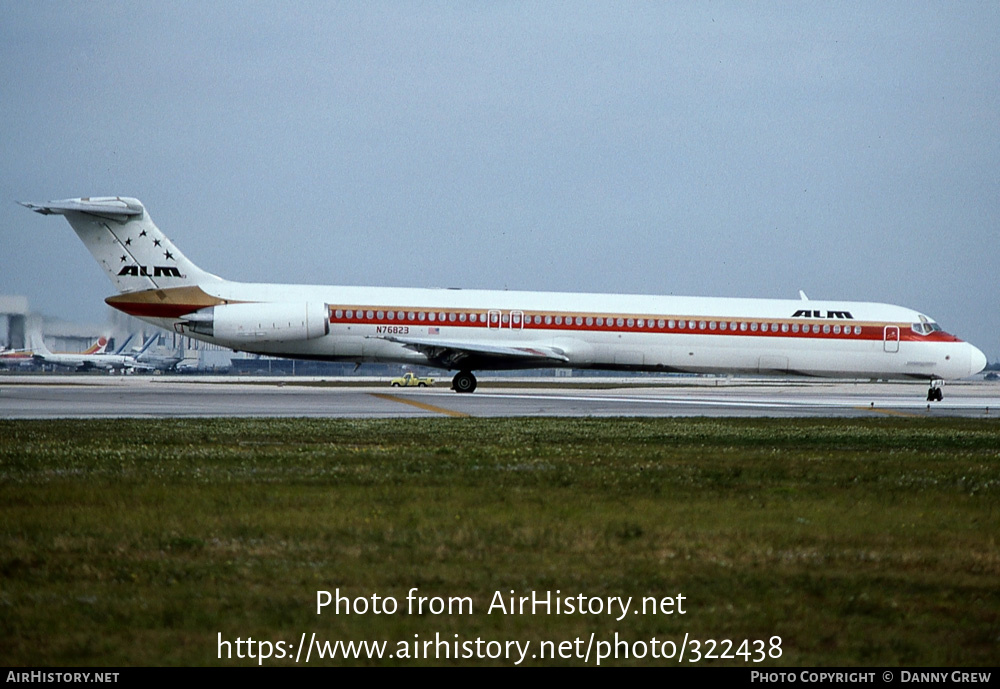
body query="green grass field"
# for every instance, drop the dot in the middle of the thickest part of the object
(858, 542)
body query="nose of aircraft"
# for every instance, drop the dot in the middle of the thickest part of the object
(977, 361)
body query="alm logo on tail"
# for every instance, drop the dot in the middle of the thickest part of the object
(158, 271)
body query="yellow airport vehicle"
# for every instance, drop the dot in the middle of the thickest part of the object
(409, 380)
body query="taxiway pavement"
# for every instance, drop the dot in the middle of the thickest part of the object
(48, 397)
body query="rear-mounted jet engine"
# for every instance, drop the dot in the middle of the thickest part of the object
(272, 322)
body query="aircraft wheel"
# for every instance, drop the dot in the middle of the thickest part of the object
(464, 381)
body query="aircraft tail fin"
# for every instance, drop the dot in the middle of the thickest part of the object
(36, 343)
(122, 237)
(98, 346)
(149, 343)
(121, 350)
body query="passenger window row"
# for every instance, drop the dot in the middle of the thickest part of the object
(497, 317)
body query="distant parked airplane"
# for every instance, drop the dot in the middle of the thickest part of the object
(82, 361)
(16, 358)
(146, 361)
(468, 330)
(23, 358)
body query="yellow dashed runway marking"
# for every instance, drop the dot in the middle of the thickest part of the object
(420, 405)
(890, 412)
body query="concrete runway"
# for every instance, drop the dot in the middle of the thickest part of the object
(94, 396)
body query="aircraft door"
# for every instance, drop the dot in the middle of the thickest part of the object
(512, 320)
(891, 342)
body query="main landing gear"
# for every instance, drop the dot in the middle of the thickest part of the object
(463, 381)
(934, 393)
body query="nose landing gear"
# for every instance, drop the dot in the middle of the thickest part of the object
(934, 393)
(463, 381)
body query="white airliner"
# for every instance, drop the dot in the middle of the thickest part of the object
(82, 361)
(470, 330)
(147, 361)
(24, 358)
(16, 358)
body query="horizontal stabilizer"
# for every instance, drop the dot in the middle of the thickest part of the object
(105, 207)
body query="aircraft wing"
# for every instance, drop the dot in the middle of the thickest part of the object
(454, 353)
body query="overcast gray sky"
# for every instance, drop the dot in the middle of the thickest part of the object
(851, 150)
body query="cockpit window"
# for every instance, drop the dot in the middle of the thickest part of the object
(925, 326)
